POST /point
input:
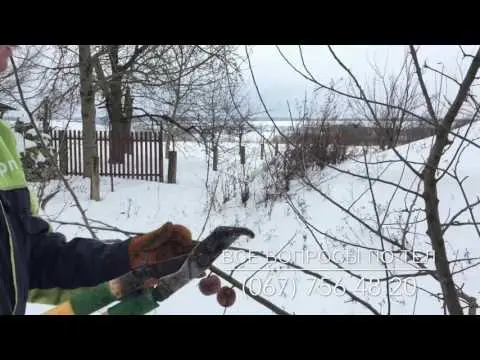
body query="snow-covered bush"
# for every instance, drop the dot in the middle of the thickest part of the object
(35, 160)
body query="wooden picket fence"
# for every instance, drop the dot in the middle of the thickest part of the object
(145, 161)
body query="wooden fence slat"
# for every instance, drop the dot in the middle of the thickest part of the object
(66, 141)
(144, 148)
(66, 144)
(146, 156)
(160, 153)
(100, 151)
(62, 151)
(154, 156)
(121, 167)
(137, 152)
(71, 153)
(79, 152)
(104, 158)
(106, 152)
(74, 142)
(125, 157)
(142, 155)
(110, 163)
(150, 156)
(110, 166)
(127, 160)
(113, 164)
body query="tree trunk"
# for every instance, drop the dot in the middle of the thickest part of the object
(128, 133)
(117, 142)
(119, 124)
(128, 110)
(430, 195)
(87, 95)
(95, 180)
(46, 117)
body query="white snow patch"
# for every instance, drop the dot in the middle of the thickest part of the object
(141, 206)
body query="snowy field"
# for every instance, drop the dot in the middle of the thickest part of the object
(349, 239)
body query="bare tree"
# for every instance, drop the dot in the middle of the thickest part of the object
(177, 75)
(394, 97)
(112, 75)
(451, 292)
(180, 84)
(48, 75)
(152, 79)
(87, 96)
(214, 111)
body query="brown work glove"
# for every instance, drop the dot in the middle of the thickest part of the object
(168, 241)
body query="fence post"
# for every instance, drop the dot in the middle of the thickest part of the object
(262, 150)
(172, 167)
(160, 154)
(95, 180)
(63, 152)
(110, 164)
(151, 156)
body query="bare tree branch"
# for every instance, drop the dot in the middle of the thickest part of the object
(428, 101)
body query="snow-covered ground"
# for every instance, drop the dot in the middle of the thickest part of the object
(280, 233)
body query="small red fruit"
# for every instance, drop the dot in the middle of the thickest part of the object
(209, 285)
(226, 296)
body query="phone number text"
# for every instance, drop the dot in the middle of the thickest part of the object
(273, 286)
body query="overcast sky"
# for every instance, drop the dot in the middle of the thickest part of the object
(278, 82)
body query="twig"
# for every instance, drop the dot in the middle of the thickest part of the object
(428, 100)
(212, 201)
(244, 288)
(103, 228)
(379, 225)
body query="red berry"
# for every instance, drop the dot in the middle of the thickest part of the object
(209, 285)
(226, 296)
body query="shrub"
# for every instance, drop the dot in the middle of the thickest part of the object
(310, 146)
(37, 166)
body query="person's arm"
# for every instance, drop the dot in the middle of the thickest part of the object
(81, 262)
